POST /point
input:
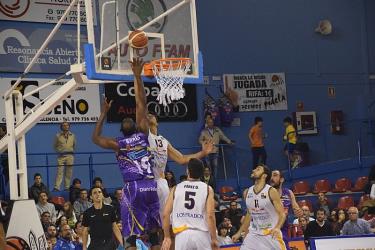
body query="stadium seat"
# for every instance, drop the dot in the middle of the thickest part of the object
(58, 200)
(342, 185)
(360, 184)
(306, 203)
(363, 198)
(227, 193)
(322, 186)
(301, 188)
(345, 202)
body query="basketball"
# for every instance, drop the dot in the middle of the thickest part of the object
(16, 243)
(138, 39)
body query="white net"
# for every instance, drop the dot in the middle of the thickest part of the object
(170, 74)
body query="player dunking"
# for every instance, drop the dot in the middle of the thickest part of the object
(140, 203)
(192, 208)
(265, 214)
(287, 198)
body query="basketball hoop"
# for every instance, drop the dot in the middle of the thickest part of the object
(170, 74)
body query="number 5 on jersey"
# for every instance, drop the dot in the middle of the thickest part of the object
(189, 200)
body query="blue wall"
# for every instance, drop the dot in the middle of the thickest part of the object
(251, 36)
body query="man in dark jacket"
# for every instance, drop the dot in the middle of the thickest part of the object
(37, 188)
(208, 178)
(319, 227)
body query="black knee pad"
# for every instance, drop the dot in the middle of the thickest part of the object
(154, 239)
(131, 241)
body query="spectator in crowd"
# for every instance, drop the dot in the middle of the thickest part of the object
(256, 141)
(214, 134)
(223, 238)
(208, 178)
(302, 222)
(306, 213)
(100, 221)
(371, 180)
(98, 182)
(51, 232)
(68, 212)
(169, 176)
(4, 158)
(65, 241)
(323, 203)
(355, 225)
(44, 206)
(61, 221)
(290, 137)
(232, 230)
(82, 203)
(234, 213)
(75, 190)
(78, 232)
(339, 220)
(319, 227)
(183, 177)
(64, 144)
(37, 187)
(117, 201)
(45, 219)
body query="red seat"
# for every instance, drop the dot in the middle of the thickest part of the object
(360, 184)
(342, 185)
(227, 193)
(301, 188)
(363, 198)
(306, 203)
(345, 202)
(322, 186)
(58, 200)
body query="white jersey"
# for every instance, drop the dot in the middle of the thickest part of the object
(263, 214)
(159, 150)
(189, 206)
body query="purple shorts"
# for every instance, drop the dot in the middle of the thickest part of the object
(140, 207)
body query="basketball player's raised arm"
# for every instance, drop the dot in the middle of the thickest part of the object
(97, 138)
(140, 95)
(178, 157)
(117, 233)
(167, 220)
(297, 210)
(275, 198)
(211, 220)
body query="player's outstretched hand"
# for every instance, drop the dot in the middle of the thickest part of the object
(215, 245)
(236, 237)
(298, 212)
(275, 233)
(208, 147)
(137, 66)
(106, 105)
(166, 243)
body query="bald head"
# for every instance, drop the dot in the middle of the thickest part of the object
(353, 213)
(306, 211)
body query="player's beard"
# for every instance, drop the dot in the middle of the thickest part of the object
(276, 185)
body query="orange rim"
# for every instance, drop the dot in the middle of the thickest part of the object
(175, 61)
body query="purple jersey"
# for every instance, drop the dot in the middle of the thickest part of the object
(134, 157)
(287, 204)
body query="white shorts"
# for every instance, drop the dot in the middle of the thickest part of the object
(193, 240)
(163, 192)
(262, 242)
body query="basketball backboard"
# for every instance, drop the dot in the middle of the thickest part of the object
(170, 24)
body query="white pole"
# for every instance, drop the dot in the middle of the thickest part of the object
(21, 147)
(12, 152)
(44, 45)
(79, 32)
(174, 8)
(118, 36)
